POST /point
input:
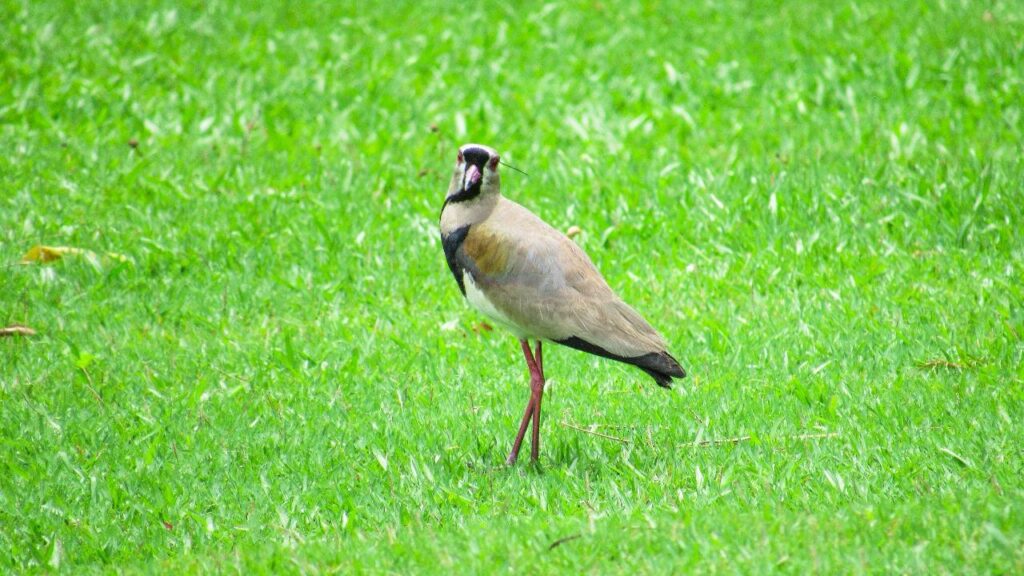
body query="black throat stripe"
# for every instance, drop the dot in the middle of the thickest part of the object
(463, 195)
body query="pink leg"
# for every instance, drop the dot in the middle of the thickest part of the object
(514, 454)
(536, 387)
(537, 391)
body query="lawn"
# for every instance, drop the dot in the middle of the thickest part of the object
(262, 364)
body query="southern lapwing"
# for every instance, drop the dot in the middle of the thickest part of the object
(536, 282)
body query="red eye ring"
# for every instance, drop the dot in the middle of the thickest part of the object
(460, 157)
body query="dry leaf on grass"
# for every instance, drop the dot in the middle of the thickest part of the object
(16, 330)
(481, 327)
(43, 254)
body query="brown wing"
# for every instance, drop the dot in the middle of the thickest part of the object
(548, 287)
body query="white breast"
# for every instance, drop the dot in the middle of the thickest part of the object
(478, 300)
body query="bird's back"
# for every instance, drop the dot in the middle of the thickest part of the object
(545, 284)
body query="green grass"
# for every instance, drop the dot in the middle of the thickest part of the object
(818, 204)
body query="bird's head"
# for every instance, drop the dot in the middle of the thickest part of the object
(476, 173)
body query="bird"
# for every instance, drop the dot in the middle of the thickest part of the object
(531, 279)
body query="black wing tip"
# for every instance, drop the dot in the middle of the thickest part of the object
(659, 365)
(663, 367)
(664, 379)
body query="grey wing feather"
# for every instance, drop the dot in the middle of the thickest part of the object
(552, 289)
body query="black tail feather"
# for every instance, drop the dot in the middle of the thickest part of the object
(659, 365)
(662, 367)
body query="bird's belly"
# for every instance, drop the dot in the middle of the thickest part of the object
(478, 300)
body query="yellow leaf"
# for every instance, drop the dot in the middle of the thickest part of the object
(49, 253)
(44, 254)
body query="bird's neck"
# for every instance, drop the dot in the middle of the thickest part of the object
(455, 215)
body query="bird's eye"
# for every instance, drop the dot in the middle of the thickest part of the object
(460, 157)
